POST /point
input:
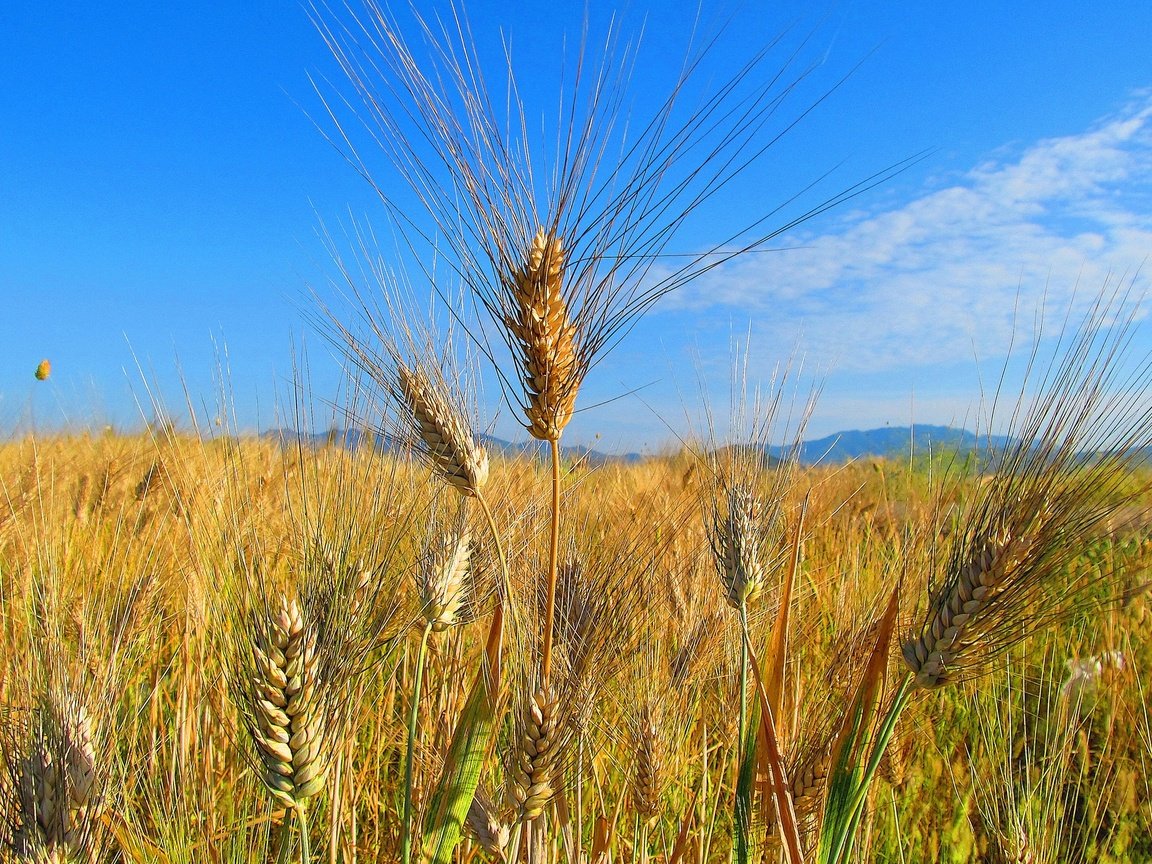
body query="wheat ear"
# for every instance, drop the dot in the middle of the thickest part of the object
(545, 338)
(443, 432)
(487, 828)
(289, 727)
(808, 783)
(736, 539)
(650, 760)
(953, 628)
(531, 787)
(441, 578)
(56, 784)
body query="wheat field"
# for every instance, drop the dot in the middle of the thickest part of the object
(144, 580)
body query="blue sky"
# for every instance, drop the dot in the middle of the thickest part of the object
(162, 187)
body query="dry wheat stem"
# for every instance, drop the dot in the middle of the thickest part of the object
(553, 567)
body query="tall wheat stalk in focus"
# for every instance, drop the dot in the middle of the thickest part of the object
(557, 238)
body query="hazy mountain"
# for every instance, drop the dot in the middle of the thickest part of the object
(890, 441)
(354, 438)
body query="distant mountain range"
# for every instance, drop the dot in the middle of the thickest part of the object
(891, 441)
(894, 441)
(355, 438)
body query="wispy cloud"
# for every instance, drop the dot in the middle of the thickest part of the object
(938, 278)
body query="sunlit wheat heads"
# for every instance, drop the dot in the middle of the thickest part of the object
(1005, 569)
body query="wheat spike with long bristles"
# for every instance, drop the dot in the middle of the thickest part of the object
(547, 355)
(289, 723)
(648, 776)
(1054, 489)
(442, 432)
(950, 631)
(736, 537)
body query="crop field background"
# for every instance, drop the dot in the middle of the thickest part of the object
(134, 569)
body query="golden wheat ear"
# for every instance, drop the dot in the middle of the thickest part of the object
(289, 724)
(442, 432)
(546, 352)
(442, 578)
(530, 787)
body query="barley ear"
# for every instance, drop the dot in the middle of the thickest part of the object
(648, 777)
(954, 626)
(487, 828)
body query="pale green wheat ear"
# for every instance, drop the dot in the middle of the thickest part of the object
(442, 578)
(487, 828)
(736, 532)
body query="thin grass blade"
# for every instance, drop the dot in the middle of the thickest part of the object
(858, 747)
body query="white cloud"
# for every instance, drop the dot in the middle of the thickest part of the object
(938, 278)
